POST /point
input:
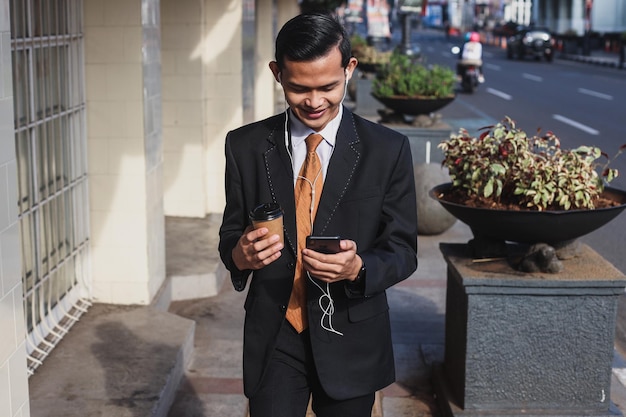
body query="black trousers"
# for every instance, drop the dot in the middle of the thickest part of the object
(291, 379)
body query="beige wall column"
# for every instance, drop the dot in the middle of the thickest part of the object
(183, 129)
(13, 370)
(202, 100)
(286, 9)
(264, 83)
(122, 71)
(220, 52)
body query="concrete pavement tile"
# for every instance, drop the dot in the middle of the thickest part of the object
(408, 407)
(209, 405)
(433, 354)
(219, 359)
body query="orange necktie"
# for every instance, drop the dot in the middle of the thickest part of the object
(307, 194)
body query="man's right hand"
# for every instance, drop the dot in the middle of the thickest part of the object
(254, 251)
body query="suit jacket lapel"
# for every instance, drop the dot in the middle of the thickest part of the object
(341, 169)
(279, 174)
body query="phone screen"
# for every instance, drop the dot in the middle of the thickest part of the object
(323, 244)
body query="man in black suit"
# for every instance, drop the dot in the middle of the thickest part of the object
(343, 354)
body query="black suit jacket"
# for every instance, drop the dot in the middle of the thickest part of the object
(368, 197)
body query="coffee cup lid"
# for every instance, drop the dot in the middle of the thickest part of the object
(266, 211)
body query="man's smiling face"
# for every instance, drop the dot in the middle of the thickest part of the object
(315, 89)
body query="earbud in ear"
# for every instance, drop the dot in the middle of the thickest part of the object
(345, 86)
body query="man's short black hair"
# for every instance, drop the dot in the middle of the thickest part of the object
(310, 36)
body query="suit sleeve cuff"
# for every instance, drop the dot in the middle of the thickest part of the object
(356, 288)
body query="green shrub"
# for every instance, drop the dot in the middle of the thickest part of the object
(401, 76)
(368, 54)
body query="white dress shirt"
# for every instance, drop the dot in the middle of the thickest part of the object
(299, 133)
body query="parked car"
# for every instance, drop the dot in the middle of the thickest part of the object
(506, 29)
(527, 41)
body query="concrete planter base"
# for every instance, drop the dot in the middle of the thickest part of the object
(528, 344)
(424, 141)
(432, 218)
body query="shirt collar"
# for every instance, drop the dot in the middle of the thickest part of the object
(299, 131)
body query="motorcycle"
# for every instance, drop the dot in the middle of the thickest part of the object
(469, 73)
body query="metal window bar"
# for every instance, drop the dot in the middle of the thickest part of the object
(50, 131)
(55, 316)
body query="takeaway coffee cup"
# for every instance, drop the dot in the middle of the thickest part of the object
(268, 215)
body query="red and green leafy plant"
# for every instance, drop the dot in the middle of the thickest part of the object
(504, 167)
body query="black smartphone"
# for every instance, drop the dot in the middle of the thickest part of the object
(323, 244)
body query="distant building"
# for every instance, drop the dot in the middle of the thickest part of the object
(561, 16)
(577, 16)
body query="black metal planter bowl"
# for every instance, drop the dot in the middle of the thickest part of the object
(414, 106)
(369, 67)
(526, 226)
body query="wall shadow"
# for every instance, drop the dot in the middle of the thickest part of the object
(135, 369)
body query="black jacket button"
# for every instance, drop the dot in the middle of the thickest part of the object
(283, 308)
(291, 266)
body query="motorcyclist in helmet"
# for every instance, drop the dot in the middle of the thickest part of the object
(472, 54)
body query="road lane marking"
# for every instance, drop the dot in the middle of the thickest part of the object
(595, 94)
(500, 94)
(493, 67)
(532, 77)
(575, 124)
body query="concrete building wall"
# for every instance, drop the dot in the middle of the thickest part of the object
(220, 52)
(183, 129)
(202, 100)
(153, 143)
(578, 16)
(264, 83)
(13, 374)
(124, 144)
(608, 16)
(556, 15)
(270, 17)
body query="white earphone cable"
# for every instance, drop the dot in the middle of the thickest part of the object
(325, 301)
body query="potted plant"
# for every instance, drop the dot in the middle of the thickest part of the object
(412, 88)
(370, 58)
(509, 186)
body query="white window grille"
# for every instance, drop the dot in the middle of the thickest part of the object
(50, 135)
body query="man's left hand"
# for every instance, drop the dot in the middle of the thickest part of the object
(339, 266)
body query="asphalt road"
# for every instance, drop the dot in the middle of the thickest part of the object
(582, 104)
